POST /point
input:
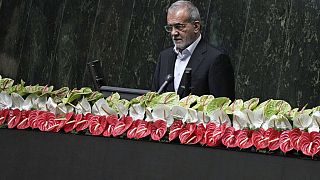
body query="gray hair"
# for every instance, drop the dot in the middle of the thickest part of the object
(192, 10)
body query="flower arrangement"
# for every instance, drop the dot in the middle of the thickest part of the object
(272, 126)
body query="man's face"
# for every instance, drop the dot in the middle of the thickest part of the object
(183, 32)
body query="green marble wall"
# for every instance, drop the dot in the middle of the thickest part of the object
(274, 45)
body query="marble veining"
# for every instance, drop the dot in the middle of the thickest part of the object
(273, 45)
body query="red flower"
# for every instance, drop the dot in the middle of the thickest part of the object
(244, 139)
(33, 118)
(295, 135)
(214, 137)
(23, 124)
(70, 124)
(82, 122)
(97, 125)
(211, 126)
(200, 131)
(310, 143)
(143, 129)
(274, 138)
(133, 129)
(3, 115)
(139, 129)
(195, 135)
(229, 137)
(186, 132)
(14, 118)
(158, 129)
(46, 121)
(111, 122)
(285, 142)
(260, 138)
(60, 122)
(122, 125)
(175, 129)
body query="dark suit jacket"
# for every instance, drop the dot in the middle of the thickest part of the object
(212, 72)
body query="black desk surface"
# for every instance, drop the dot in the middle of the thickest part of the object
(38, 155)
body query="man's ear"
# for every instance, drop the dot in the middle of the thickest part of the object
(196, 26)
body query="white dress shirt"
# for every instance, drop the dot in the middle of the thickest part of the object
(182, 62)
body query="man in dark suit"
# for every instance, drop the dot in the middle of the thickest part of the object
(212, 72)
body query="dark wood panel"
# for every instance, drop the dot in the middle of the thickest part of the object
(274, 45)
(35, 155)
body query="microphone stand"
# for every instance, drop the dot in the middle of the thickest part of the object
(96, 74)
(168, 80)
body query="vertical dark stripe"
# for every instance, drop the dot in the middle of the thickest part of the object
(25, 29)
(54, 54)
(90, 42)
(207, 18)
(125, 46)
(286, 50)
(242, 42)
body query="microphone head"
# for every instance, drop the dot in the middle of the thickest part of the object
(169, 78)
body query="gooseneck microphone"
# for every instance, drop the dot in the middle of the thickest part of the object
(168, 80)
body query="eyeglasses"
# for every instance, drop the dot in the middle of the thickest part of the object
(177, 26)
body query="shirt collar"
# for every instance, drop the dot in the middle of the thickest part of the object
(190, 48)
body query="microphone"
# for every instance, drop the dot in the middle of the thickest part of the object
(168, 80)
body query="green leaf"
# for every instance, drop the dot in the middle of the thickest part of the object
(292, 113)
(203, 101)
(237, 105)
(217, 103)
(85, 90)
(5, 83)
(262, 105)
(59, 94)
(168, 98)
(19, 89)
(306, 111)
(113, 98)
(146, 100)
(188, 100)
(76, 95)
(125, 102)
(39, 90)
(121, 106)
(135, 100)
(251, 103)
(94, 96)
(46, 90)
(71, 98)
(275, 107)
(316, 109)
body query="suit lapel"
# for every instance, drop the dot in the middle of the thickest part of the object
(194, 62)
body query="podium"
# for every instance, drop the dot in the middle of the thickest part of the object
(95, 68)
(30, 154)
(125, 93)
